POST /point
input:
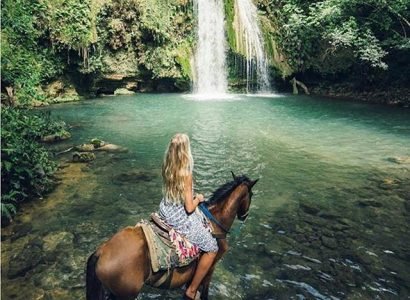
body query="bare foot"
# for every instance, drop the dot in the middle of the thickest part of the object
(189, 294)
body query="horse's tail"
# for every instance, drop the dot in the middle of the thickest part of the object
(95, 289)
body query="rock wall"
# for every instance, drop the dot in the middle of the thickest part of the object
(135, 46)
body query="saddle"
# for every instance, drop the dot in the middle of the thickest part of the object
(161, 228)
(168, 249)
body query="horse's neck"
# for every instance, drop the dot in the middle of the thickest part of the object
(225, 211)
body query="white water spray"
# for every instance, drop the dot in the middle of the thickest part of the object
(210, 56)
(249, 42)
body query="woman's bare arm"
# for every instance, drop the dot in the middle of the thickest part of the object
(191, 202)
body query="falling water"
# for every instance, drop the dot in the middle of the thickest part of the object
(250, 43)
(210, 66)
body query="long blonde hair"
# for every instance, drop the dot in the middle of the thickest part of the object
(178, 164)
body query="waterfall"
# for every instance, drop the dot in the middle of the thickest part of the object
(210, 57)
(249, 42)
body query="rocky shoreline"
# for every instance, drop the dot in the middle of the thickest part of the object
(63, 90)
(393, 97)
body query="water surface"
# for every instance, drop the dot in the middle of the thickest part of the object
(329, 219)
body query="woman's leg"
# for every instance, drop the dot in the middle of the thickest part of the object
(205, 263)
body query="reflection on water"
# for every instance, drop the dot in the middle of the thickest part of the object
(329, 220)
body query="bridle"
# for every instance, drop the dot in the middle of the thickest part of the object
(202, 206)
(246, 214)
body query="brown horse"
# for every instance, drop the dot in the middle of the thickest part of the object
(120, 267)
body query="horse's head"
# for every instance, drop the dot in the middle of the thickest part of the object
(231, 200)
(245, 201)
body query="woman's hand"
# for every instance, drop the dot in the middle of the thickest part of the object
(199, 197)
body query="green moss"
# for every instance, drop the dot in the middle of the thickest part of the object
(230, 15)
(183, 57)
(275, 56)
(71, 23)
(25, 64)
(146, 38)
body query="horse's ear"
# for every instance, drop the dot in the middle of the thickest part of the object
(253, 183)
(233, 175)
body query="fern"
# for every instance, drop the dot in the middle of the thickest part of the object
(8, 210)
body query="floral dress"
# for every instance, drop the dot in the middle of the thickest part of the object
(192, 226)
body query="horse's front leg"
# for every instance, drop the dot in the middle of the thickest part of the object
(223, 247)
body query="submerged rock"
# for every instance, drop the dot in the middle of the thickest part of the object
(61, 136)
(367, 257)
(329, 242)
(399, 159)
(59, 294)
(133, 176)
(58, 240)
(314, 221)
(328, 215)
(346, 222)
(369, 202)
(407, 205)
(83, 157)
(21, 230)
(389, 183)
(339, 227)
(309, 208)
(111, 148)
(25, 260)
(99, 145)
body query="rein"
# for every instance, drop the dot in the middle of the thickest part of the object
(210, 216)
(222, 192)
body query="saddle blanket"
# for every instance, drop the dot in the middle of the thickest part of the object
(167, 253)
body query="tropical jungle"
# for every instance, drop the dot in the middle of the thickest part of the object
(310, 97)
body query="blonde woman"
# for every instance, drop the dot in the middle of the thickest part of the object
(179, 204)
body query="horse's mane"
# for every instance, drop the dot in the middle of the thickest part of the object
(224, 190)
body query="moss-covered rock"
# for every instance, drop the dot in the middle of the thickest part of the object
(57, 240)
(61, 90)
(85, 148)
(26, 259)
(83, 156)
(56, 137)
(97, 143)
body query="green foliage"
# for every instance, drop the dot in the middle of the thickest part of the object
(8, 210)
(157, 33)
(18, 17)
(37, 38)
(24, 65)
(26, 166)
(70, 23)
(334, 35)
(43, 38)
(161, 62)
